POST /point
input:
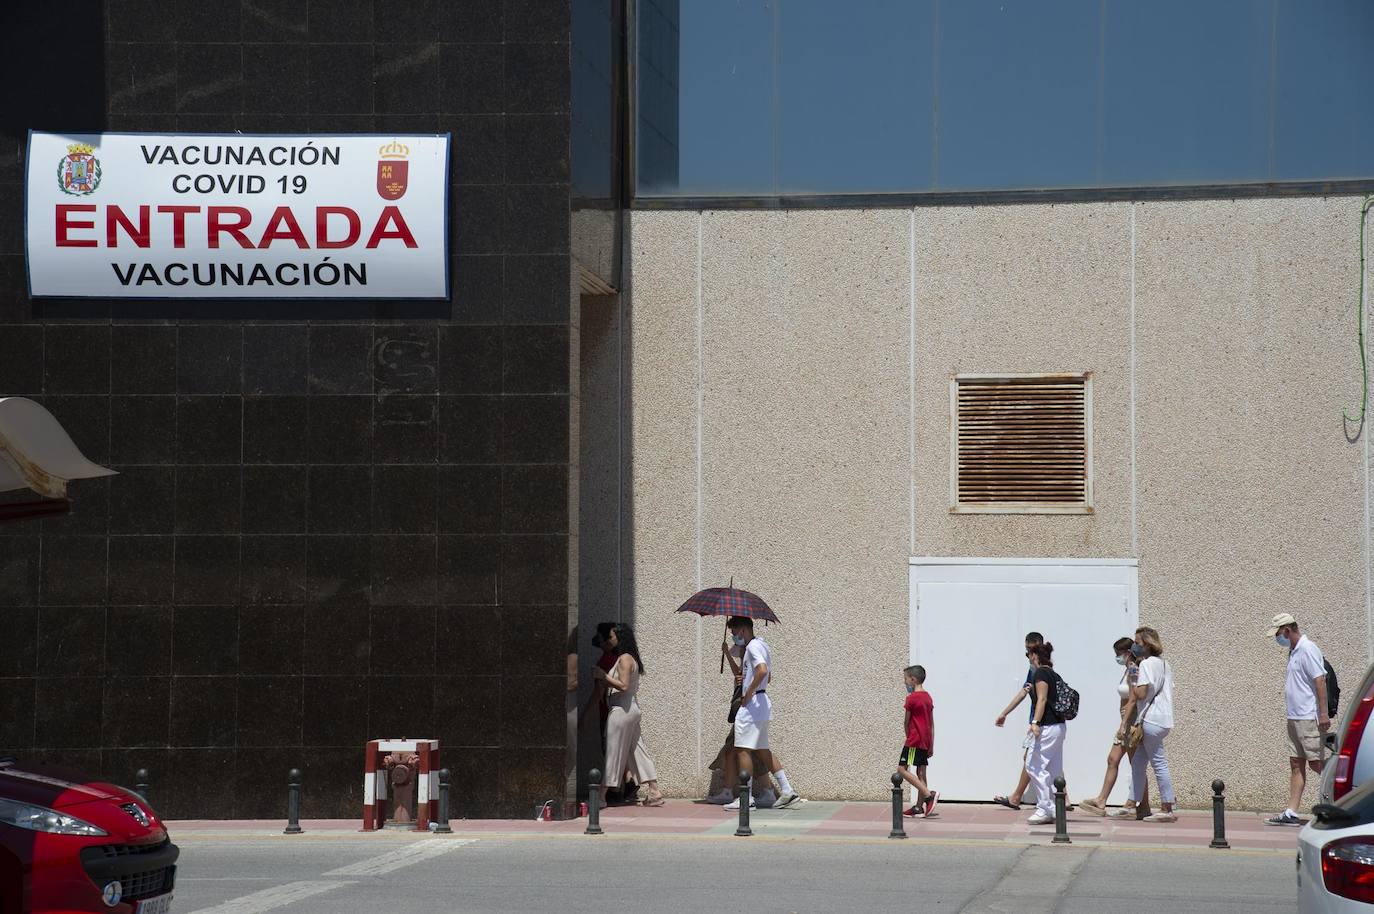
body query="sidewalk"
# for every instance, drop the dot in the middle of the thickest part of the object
(816, 820)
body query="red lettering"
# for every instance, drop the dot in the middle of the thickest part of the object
(115, 220)
(322, 214)
(391, 215)
(65, 224)
(283, 224)
(178, 222)
(215, 225)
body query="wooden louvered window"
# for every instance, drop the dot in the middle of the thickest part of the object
(1021, 444)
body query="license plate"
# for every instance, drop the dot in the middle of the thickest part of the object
(162, 904)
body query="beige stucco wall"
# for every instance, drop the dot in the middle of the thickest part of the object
(789, 422)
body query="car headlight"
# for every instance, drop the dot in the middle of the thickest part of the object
(41, 818)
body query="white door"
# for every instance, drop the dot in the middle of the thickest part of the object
(968, 621)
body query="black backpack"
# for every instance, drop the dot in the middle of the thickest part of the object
(1333, 691)
(1065, 699)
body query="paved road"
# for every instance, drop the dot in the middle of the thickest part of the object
(681, 875)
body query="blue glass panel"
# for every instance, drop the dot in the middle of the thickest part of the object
(593, 99)
(726, 96)
(657, 127)
(1324, 105)
(1018, 94)
(854, 95)
(1187, 91)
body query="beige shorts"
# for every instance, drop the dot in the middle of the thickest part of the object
(1304, 740)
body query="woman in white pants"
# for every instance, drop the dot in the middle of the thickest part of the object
(1045, 758)
(1154, 695)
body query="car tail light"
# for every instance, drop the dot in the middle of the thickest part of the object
(1350, 746)
(1348, 868)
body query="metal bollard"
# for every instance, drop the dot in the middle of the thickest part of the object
(745, 795)
(898, 829)
(293, 802)
(1219, 815)
(1061, 819)
(594, 804)
(141, 782)
(442, 827)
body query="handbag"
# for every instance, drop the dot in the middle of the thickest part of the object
(734, 702)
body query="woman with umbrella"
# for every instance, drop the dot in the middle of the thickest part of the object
(622, 724)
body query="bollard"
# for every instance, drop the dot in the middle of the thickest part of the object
(594, 804)
(745, 795)
(1061, 819)
(898, 829)
(442, 826)
(293, 802)
(141, 783)
(1219, 816)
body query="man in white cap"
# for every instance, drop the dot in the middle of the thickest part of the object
(1305, 693)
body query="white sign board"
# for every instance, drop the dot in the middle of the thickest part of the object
(138, 215)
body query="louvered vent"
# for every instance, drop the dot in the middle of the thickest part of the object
(1022, 443)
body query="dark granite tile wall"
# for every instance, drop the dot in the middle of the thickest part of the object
(348, 521)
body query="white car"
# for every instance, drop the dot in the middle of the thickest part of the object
(1336, 856)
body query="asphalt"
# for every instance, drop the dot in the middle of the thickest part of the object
(791, 864)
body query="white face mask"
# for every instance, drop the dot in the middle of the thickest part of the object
(1283, 641)
(739, 640)
(1120, 660)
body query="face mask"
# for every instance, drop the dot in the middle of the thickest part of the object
(739, 641)
(1282, 641)
(1137, 651)
(910, 689)
(1120, 660)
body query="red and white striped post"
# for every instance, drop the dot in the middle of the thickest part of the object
(375, 780)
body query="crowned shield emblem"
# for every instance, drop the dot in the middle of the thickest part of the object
(78, 172)
(393, 171)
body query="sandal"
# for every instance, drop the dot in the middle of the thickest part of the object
(1092, 808)
(1006, 801)
(655, 800)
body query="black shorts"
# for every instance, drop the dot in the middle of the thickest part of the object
(912, 757)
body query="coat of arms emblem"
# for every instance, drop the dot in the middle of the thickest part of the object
(78, 172)
(393, 171)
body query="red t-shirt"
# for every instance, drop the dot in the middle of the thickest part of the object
(920, 719)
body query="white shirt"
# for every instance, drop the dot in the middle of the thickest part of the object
(1305, 664)
(757, 708)
(1157, 707)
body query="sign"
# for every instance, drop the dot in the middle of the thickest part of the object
(138, 215)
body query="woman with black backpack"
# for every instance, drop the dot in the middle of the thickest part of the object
(1045, 736)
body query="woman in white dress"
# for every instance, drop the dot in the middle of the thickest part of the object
(622, 724)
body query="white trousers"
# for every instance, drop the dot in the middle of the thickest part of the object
(1044, 763)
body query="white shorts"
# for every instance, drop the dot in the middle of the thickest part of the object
(751, 734)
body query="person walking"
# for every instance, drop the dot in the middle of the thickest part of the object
(1154, 696)
(1013, 799)
(1045, 735)
(622, 723)
(785, 796)
(1304, 693)
(755, 707)
(1125, 690)
(919, 713)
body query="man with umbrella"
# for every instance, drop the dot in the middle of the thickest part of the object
(755, 708)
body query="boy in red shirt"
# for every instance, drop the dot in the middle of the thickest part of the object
(920, 740)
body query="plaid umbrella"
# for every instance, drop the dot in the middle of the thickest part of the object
(728, 601)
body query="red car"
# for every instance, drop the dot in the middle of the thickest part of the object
(71, 845)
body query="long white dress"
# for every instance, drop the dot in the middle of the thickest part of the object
(622, 734)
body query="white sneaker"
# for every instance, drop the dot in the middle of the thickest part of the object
(720, 799)
(787, 800)
(1040, 819)
(734, 804)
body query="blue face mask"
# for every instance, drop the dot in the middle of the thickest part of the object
(910, 689)
(739, 641)
(1283, 642)
(1120, 659)
(1137, 651)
